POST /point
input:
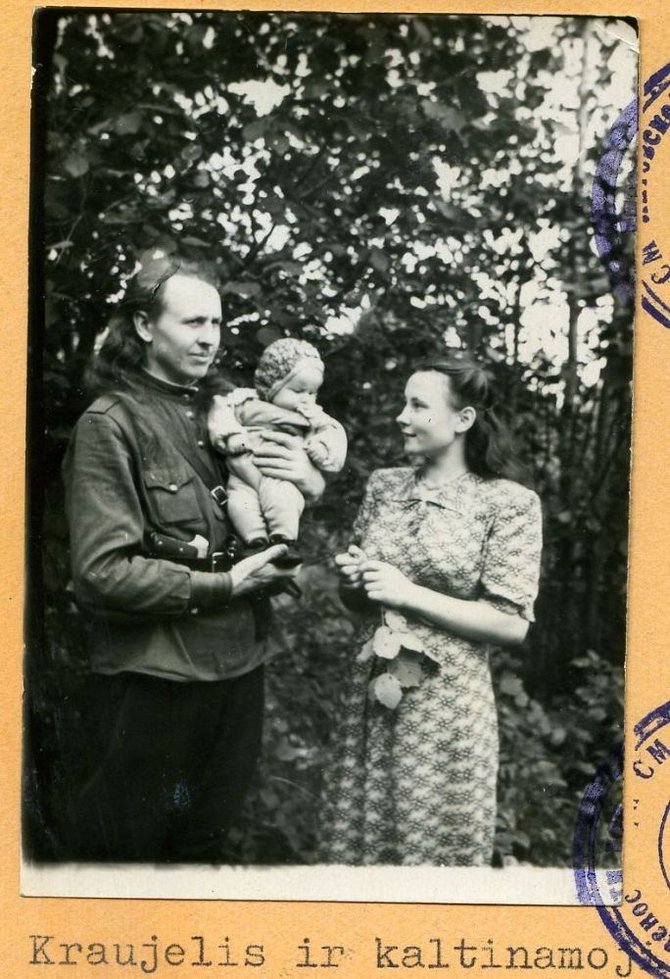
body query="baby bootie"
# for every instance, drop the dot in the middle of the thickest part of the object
(255, 546)
(292, 558)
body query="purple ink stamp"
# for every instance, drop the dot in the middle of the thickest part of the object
(614, 218)
(636, 912)
(655, 263)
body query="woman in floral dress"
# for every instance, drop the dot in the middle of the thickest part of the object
(444, 567)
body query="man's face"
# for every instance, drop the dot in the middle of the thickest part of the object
(183, 337)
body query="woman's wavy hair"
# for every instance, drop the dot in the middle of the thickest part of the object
(117, 363)
(489, 447)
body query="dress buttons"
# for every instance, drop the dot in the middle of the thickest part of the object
(190, 414)
(194, 611)
(201, 443)
(172, 487)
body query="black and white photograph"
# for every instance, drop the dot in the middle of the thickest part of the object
(329, 405)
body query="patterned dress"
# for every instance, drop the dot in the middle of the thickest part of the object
(417, 784)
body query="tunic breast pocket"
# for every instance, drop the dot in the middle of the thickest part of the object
(172, 495)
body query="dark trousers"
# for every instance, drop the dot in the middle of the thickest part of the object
(171, 765)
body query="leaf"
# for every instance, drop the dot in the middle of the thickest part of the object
(406, 668)
(192, 242)
(366, 653)
(76, 164)
(285, 751)
(99, 127)
(386, 643)
(510, 684)
(281, 144)
(192, 152)
(358, 128)
(386, 689)
(254, 130)
(265, 336)
(409, 641)
(379, 259)
(165, 244)
(201, 179)
(450, 118)
(395, 620)
(196, 35)
(456, 215)
(128, 124)
(275, 206)
(124, 215)
(60, 62)
(243, 288)
(422, 32)
(314, 90)
(269, 798)
(521, 839)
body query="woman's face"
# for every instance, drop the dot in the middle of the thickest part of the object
(428, 422)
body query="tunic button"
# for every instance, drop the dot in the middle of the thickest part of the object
(172, 487)
(194, 611)
(201, 444)
(190, 414)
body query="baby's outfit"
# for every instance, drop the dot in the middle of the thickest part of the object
(261, 507)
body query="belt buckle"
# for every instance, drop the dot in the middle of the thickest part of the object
(219, 561)
(219, 495)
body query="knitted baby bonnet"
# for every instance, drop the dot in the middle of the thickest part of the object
(279, 363)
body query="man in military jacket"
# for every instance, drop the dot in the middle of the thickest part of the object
(176, 690)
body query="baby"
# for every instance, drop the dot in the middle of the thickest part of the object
(264, 510)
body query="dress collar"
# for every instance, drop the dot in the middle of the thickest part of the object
(412, 489)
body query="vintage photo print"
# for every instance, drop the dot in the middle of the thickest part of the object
(329, 454)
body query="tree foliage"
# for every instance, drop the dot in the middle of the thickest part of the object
(382, 186)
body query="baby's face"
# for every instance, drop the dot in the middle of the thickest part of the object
(301, 390)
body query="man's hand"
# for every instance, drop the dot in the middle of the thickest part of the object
(282, 456)
(384, 583)
(256, 573)
(349, 565)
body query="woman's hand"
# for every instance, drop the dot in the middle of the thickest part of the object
(384, 583)
(282, 456)
(256, 572)
(349, 565)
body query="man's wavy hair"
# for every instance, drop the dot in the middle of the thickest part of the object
(117, 363)
(489, 447)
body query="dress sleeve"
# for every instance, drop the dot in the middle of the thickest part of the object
(511, 571)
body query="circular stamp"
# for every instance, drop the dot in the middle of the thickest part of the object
(654, 285)
(635, 909)
(613, 203)
(614, 197)
(598, 836)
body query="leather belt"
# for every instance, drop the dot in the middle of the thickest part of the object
(216, 562)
